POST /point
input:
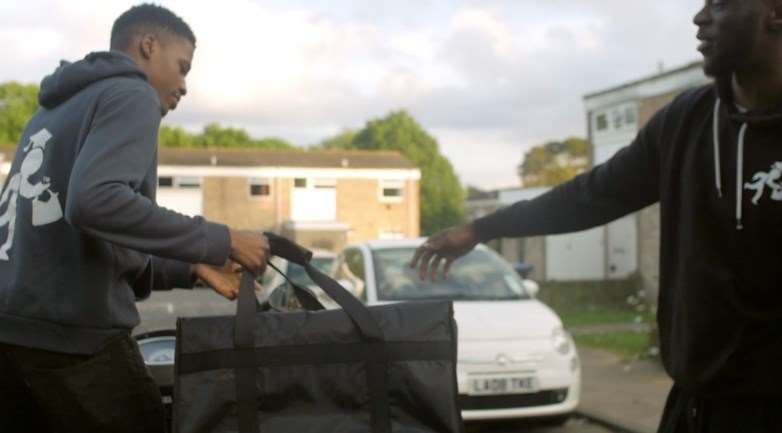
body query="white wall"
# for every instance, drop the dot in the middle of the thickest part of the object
(689, 76)
(622, 238)
(314, 204)
(576, 256)
(569, 257)
(188, 201)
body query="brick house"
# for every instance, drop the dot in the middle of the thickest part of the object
(321, 199)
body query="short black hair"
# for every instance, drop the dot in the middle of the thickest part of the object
(147, 18)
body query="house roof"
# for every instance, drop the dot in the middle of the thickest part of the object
(284, 158)
(366, 159)
(692, 65)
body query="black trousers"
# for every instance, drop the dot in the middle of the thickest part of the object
(685, 413)
(111, 391)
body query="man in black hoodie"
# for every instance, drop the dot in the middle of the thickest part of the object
(713, 160)
(81, 236)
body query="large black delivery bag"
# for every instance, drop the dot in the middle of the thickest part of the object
(379, 369)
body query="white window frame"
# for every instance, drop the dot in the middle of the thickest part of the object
(391, 184)
(322, 183)
(259, 181)
(188, 182)
(183, 182)
(316, 183)
(617, 118)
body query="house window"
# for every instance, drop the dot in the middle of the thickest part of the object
(300, 182)
(391, 190)
(187, 182)
(617, 119)
(259, 187)
(324, 183)
(630, 116)
(601, 122)
(165, 182)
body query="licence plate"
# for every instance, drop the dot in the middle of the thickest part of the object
(496, 385)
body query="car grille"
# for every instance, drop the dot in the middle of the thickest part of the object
(487, 402)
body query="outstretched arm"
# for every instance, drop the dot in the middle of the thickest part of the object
(628, 182)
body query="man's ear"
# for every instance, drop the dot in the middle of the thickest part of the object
(147, 45)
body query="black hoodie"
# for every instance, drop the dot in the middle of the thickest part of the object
(79, 227)
(717, 174)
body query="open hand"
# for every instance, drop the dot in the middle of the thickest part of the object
(444, 246)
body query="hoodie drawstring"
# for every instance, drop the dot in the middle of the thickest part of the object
(717, 171)
(739, 164)
(740, 177)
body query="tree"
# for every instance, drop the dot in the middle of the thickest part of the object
(343, 140)
(554, 162)
(18, 103)
(174, 136)
(214, 135)
(274, 143)
(442, 197)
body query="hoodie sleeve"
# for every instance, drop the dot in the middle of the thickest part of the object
(627, 182)
(103, 192)
(165, 274)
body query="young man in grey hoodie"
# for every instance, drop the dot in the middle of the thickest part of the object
(81, 236)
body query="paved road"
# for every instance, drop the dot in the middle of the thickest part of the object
(574, 425)
(162, 309)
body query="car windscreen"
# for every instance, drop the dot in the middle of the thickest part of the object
(478, 276)
(299, 276)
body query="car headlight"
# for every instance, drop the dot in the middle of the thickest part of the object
(561, 341)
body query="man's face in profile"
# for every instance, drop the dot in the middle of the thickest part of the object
(168, 67)
(729, 31)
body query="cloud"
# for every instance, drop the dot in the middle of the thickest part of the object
(494, 75)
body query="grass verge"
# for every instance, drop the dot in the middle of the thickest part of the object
(595, 315)
(627, 344)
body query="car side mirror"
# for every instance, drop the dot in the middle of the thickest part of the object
(523, 269)
(531, 287)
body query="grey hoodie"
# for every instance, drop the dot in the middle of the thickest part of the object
(79, 227)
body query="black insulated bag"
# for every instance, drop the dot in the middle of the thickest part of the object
(358, 369)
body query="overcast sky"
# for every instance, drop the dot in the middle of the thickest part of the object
(488, 78)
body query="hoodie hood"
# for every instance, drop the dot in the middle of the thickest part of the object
(69, 78)
(762, 118)
(756, 118)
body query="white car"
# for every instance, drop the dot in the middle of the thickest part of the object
(321, 259)
(515, 360)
